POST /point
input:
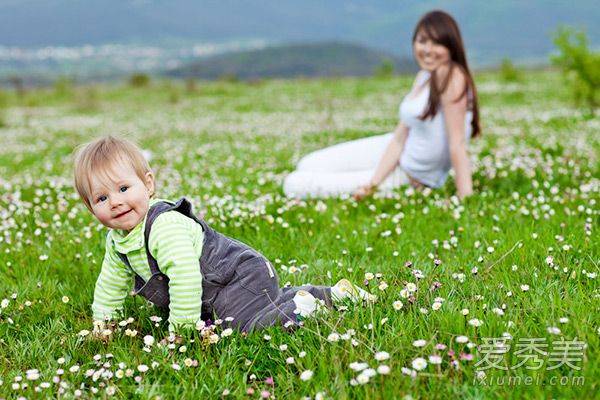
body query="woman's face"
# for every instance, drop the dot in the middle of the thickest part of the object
(429, 54)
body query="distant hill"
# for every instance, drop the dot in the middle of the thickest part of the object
(492, 30)
(309, 60)
(111, 39)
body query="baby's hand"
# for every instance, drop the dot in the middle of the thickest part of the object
(99, 327)
(172, 338)
(103, 330)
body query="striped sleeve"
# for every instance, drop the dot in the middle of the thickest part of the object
(172, 242)
(112, 285)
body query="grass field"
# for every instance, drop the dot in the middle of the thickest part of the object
(515, 262)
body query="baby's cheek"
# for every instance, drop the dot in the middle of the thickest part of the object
(100, 216)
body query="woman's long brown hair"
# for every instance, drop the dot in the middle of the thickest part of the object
(443, 29)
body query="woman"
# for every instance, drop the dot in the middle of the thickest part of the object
(437, 118)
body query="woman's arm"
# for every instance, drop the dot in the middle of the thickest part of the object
(390, 157)
(388, 162)
(455, 109)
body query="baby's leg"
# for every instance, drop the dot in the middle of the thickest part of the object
(276, 313)
(283, 310)
(254, 286)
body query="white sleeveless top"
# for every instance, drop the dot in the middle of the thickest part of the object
(426, 156)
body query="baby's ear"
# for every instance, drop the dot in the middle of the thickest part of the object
(149, 182)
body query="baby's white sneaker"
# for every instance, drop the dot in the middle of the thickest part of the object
(306, 304)
(345, 289)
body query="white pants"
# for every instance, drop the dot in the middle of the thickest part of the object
(341, 169)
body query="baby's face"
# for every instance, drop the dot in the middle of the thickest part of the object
(122, 201)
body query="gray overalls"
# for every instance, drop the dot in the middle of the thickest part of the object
(237, 281)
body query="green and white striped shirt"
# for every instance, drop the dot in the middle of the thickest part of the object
(176, 243)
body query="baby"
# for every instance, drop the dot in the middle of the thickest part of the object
(175, 260)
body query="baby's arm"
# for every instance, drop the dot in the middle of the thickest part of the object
(172, 242)
(112, 286)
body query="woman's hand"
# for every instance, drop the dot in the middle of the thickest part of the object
(387, 163)
(364, 191)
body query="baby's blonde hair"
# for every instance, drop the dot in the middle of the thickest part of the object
(100, 157)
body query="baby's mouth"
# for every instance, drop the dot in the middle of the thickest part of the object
(123, 214)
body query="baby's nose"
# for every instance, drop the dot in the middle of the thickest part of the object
(115, 201)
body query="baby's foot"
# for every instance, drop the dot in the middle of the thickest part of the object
(306, 304)
(345, 289)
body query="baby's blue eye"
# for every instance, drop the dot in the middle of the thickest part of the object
(101, 198)
(123, 188)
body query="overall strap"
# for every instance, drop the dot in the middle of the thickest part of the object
(182, 205)
(139, 281)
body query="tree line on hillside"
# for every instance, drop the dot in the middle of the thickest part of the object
(298, 60)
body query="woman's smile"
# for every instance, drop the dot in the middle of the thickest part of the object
(428, 53)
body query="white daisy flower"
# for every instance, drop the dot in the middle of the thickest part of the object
(383, 370)
(148, 340)
(306, 375)
(435, 359)
(142, 368)
(419, 364)
(461, 339)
